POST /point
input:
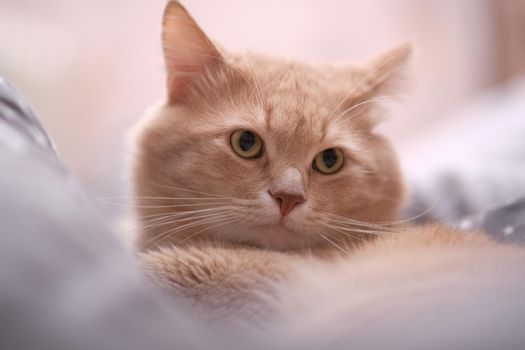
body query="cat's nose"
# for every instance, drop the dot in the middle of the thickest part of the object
(287, 201)
(287, 187)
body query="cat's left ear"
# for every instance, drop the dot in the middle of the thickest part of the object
(383, 73)
(188, 52)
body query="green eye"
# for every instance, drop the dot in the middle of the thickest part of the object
(246, 144)
(328, 161)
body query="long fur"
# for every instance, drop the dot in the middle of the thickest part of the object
(339, 266)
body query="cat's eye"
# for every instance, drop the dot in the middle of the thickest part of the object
(246, 144)
(328, 161)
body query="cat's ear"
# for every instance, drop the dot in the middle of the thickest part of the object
(187, 50)
(383, 74)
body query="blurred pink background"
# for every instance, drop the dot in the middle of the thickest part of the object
(90, 68)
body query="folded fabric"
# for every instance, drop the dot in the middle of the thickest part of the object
(66, 282)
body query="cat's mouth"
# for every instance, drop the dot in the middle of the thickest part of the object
(283, 227)
(279, 235)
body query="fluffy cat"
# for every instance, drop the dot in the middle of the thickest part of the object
(262, 188)
(186, 156)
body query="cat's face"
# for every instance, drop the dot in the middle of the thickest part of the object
(262, 151)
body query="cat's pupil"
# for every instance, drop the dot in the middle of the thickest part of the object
(330, 158)
(246, 141)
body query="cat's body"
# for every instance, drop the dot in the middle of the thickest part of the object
(424, 287)
(262, 189)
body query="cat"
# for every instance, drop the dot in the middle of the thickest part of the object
(262, 188)
(295, 116)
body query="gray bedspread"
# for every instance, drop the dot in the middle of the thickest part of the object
(65, 280)
(504, 221)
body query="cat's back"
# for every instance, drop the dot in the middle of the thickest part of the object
(423, 286)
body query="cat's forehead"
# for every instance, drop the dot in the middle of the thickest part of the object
(300, 102)
(297, 84)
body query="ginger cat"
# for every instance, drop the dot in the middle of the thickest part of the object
(262, 189)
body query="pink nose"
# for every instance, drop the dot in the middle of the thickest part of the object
(287, 201)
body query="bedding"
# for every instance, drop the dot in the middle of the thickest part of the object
(68, 283)
(471, 172)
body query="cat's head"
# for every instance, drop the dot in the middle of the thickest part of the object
(260, 150)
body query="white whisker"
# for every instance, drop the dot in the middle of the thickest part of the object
(343, 219)
(356, 230)
(348, 234)
(170, 205)
(171, 232)
(333, 243)
(371, 100)
(170, 221)
(193, 191)
(212, 227)
(181, 213)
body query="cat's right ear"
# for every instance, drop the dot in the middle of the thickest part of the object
(187, 50)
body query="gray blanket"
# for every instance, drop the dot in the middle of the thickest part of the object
(65, 281)
(504, 222)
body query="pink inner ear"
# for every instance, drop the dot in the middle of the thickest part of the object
(182, 60)
(187, 50)
(183, 69)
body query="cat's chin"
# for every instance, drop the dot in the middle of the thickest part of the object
(276, 236)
